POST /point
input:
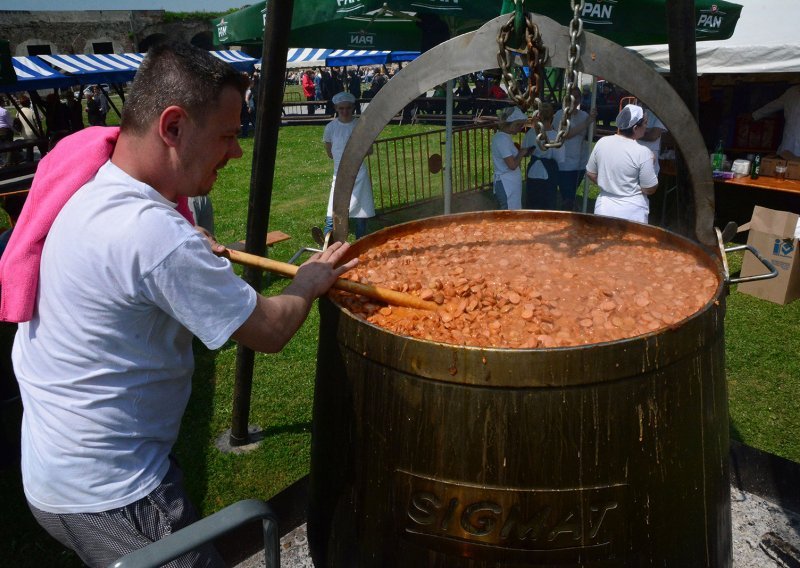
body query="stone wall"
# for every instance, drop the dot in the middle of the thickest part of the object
(76, 31)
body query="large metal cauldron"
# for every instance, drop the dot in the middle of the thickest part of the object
(613, 454)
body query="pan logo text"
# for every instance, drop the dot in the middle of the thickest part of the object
(710, 20)
(361, 39)
(598, 12)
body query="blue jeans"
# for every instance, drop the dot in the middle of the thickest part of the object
(360, 226)
(568, 182)
(500, 194)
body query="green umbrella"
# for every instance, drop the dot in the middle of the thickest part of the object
(638, 22)
(410, 24)
(322, 25)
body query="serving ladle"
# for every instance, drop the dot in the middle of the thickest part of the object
(386, 295)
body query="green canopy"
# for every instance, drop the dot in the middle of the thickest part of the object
(404, 24)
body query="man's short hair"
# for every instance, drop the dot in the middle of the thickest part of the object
(179, 74)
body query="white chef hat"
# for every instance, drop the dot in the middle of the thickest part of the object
(343, 97)
(629, 116)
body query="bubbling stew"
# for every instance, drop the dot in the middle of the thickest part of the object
(536, 283)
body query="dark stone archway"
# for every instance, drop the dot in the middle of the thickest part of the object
(150, 41)
(203, 40)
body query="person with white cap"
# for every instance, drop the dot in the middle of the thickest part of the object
(337, 133)
(506, 158)
(623, 169)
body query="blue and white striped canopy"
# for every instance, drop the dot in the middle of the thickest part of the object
(240, 61)
(95, 68)
(341, 58)
(34, 74)
(121, 67)
(308, 57)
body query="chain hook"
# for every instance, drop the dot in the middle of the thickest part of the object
(536, 56)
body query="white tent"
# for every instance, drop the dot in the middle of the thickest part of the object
(766, 40)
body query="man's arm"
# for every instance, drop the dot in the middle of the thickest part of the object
(653, 134)
(329, 149)
(648, 180)
(579, 127)
(592, 176)
(769, 108)
(276, 319)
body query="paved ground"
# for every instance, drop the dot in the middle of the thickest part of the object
(752, 518)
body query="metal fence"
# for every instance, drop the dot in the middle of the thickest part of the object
(407, 170)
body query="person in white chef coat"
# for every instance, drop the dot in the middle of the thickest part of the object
(506, 158)
(623, 169)
(337, 133)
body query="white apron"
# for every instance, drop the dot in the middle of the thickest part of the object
(629, 207)
(512, 185)
(362, 204)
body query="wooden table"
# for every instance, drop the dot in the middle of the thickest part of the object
(765, 182)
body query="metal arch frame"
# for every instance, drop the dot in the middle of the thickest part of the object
(477, 50)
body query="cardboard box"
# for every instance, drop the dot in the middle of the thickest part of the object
(772, 234)
(757, 136)
(768, 164)
(793, 169)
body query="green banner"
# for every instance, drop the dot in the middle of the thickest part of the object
(7, 74)
(400, 24)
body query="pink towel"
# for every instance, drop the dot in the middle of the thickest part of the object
(65, 169)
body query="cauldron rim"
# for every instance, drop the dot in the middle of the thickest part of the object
(711, 261)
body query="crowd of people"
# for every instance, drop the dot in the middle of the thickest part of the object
(322, 83)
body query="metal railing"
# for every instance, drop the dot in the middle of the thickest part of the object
(206, 530)
(406, 170)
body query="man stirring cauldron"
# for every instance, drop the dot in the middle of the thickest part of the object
(124, 282)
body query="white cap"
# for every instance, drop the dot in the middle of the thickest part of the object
(512, 114)
(343, 98)
(629, 116)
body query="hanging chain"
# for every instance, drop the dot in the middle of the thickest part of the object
(537, 54)
(569, 103)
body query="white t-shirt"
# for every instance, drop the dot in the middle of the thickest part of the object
(27, 132)
(105, 365)
(575, 150)
(362, 202)
(538, 171)
(789, 102)
(623, 168)
(502, 147)
(337, 134)
(653, 145)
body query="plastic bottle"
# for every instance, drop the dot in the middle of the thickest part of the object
(755, 169)
(719, 157)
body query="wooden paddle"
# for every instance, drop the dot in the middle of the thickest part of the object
(374, 292)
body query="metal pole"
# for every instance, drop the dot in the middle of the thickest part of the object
(683, 77)
(268, 120)
(448, 148)
(589, 137)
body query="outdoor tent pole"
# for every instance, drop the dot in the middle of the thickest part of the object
(589, 138)
(683, 78)
(448, 149)
(268, 120)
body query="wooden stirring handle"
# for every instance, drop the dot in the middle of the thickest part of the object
(386, 295)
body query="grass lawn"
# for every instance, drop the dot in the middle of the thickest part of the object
(762, 366)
